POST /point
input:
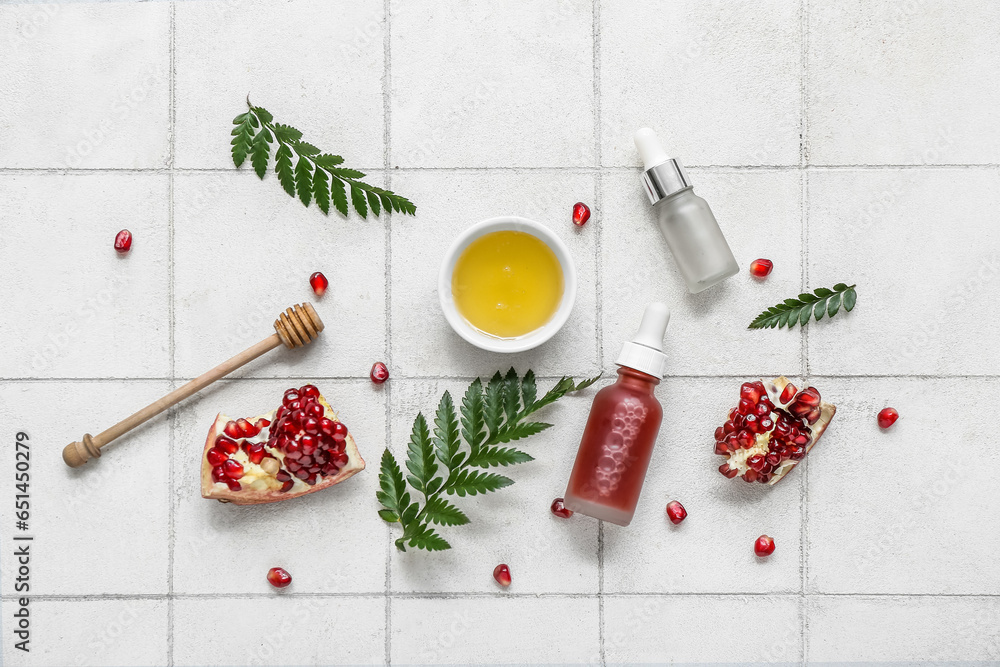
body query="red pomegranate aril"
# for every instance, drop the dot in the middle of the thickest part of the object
(287, 486)
(227, 445)
(339, 431)
(288, 427)
(764, 546)
(233, 430)
(319, 283)
(581, 214)
(262, 423)
(727, 471)
(765, 424)
(309, 391)
(745, 439)
(750, 475)
(326, 426)
(232, 468)
(721, 448)
(310, 425)
(379, 373)
(729, 426)
(887, 417)
(339, 459)
(329, 469)
(745, 407)
(290, 395)
(278, 577)
(247, 430)
(215, 457)
(309, 444)
(502, 574)
(756, 462)
(749, 392)
(676, 512)
(218, 475)
(752, 424)
(720, 434)
(558, 508)
(302, 473)
(123, 241)
(760, 268)
(256, 454)
(315, 410)
(282, 476)
(787, 393)
(234, 485)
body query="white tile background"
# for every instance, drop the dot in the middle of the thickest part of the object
(854, 140)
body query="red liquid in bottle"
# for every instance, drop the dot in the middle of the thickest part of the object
(616, 447)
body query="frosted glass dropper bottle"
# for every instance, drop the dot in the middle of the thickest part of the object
(685, 220)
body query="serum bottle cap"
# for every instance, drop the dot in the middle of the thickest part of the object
(644, 353)
(663, 176)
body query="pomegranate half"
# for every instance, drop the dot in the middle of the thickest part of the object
(771, 429)
(299, 448)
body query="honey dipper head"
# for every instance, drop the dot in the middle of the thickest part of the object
(298, 325)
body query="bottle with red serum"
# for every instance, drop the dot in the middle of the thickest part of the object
(621, 431)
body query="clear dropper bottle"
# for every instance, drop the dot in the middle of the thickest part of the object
(685, 219)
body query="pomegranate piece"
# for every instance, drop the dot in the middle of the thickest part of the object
(299, 448)
(123, 241)
(278, 577)
(676, 512)
(502, 574)
(581, 214)
(887, 417)
(773, 427)
(760, 268)
(379, 373)
(559, 509)
(763, 547)
(319, 283)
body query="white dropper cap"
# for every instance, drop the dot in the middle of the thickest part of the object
(650, 149)
(644, 353)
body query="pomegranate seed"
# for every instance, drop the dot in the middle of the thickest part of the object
(760, 268)
(756, 462)
(727, 471)
(559, 509)
(765, 424)
(729, 426)
(764, 546)
(218, 475)
(502, 574)
(278, 577)
(319, 283)
(773, 458)
(379, 373)
(226, 445)
(581, 214)
(750, 475)
(721, 448)
(234, 485)
(749, 392)
(745, 439)
(308, 391)
(287, 486)
(787, 393)
(339, 459)
(215, 457)
(290, 395)
(720, 434)
(310, 425)
(232, 468)
(233, 430)
(256, 454)
(309, 443)
(887, 417)
(339, 431)
(247, 430)
(676, 512)
(123, 241)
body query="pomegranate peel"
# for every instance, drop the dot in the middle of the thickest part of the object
(271, 465)
(773, 427)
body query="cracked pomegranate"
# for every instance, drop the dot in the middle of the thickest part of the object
(297, 449)
(676, 512)
(379, 373)
(123, 241)
(764, 546)
(278, 577)
(559, 509)
(771, 429)
(887, 417)
(581, 214)
(502, 574)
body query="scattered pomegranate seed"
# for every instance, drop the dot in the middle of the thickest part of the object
(581, 214)
(319, 283)
(278, 577)
(123, 241)
(676, 512)
(379, 373)
(764, 546)
(559, 509)
(502, 574)
(761, 268)
(887, 417)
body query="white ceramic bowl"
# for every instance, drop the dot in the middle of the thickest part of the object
(527, 341)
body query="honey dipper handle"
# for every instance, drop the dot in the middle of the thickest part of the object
(77, 453)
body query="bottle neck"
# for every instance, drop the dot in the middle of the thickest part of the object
(637, 380)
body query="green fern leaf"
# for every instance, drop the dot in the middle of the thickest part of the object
(347, 174)
(511, 395)
(326, 160)
(519, 430)
(303, 180)
(446, 440)
(440, 511)
(494, 403)
(392, 489)
(321, 190)
(429, 540)
(283, 168)
(374, 203)
(358, 199)
(529, 390)
(261, 152)
(822, 302)
(420, 456)
(473, 417)
(286, 133)
(339, 194)
(473, 482)
(490, 457)
(305, 148)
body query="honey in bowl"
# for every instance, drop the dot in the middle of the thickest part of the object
(507, 284)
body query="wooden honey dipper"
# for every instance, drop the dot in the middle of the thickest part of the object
(297, 326)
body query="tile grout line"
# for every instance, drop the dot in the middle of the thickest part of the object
(387, 396)
(598, 287)
(804, 216)
(172, 416)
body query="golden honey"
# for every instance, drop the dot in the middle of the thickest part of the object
(507, 284)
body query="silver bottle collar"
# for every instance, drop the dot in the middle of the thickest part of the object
(664, 179)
